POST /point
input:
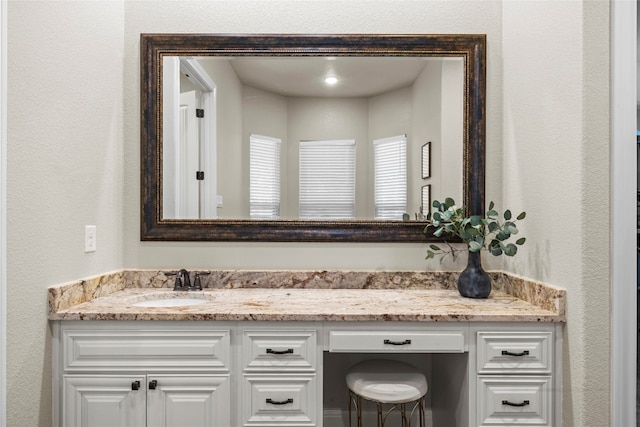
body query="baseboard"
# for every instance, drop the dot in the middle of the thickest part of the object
(335, 418)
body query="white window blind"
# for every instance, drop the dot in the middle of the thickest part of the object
(264, 179)
(327, 179)
(390, 177)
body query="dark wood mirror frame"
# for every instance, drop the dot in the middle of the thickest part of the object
(472, 48)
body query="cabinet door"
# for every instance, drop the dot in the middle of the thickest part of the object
(188, 400)
(104, 401)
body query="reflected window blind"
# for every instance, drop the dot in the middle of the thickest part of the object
(264, 177)
(390, 177)
(327, 179)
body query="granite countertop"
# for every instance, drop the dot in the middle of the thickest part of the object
(307, 296)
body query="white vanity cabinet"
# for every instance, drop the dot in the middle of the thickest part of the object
(143, 374)
(279, 374)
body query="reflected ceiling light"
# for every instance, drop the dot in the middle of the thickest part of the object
(331, 80)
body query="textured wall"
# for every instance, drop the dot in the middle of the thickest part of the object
(65, 121)
(556, 167)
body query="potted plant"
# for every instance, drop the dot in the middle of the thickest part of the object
(489, 232)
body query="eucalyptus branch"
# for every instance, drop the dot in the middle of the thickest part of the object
(480, 232)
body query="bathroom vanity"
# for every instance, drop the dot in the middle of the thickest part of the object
(251, 356)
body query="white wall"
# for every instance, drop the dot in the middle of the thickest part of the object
(391, 114)
(438, 118)
(65, 170)
(74, 87)
(452, 107)
(556, 167)
(265, 113)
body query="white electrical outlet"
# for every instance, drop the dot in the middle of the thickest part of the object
(89, 238)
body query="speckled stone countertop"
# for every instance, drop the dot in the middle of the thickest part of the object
(307, 296)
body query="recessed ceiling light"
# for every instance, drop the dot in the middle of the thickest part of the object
(331, 80)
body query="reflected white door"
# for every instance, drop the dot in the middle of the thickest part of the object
(186, 161)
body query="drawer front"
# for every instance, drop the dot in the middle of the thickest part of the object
(397, 341)
(276, 350)
(514, 401)
(106, 350)
(279, 400)
(515, 352)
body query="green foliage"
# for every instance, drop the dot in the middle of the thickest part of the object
(488, 232)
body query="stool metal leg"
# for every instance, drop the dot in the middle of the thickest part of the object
(355, 400)
(419, 405)
(403, 413)
(350, 406)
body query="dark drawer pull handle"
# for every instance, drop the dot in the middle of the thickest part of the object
(508, 353)
(135, 385)
(405, 342)
(281, 402)
(506, 402)
(153, 384)
(287, 351)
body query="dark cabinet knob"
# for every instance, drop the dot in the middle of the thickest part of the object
(135, 385)
(153, 384)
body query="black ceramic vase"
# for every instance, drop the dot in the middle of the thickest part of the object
(474, 282)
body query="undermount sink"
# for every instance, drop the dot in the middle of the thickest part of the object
(168, 301)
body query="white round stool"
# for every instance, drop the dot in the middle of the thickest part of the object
(387, 382)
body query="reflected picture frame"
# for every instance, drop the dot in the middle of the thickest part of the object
(425, 199)
(426, 160)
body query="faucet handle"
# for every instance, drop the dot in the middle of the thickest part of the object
(197, 283)
(177, 286)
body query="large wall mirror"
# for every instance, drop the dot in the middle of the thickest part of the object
(308, 137)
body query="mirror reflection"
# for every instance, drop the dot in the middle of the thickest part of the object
(310, 138)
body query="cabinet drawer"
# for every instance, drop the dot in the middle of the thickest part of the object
(110, 350)
(514, 401)
(290, 350)
(397, 341)
(515, 352)
(279, 400)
